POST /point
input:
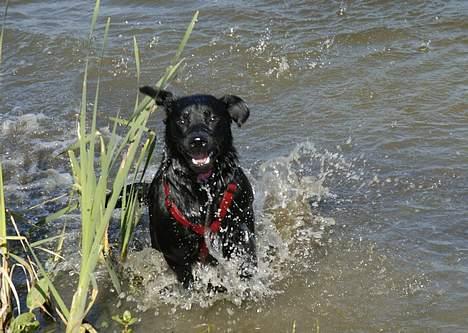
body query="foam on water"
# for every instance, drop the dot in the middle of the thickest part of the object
(289, 229)
(33, 169)
(21, 124)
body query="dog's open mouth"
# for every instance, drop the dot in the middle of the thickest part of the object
(202, 165)
(201, 160)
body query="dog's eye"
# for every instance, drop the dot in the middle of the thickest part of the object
(183, 119)
(213, 118)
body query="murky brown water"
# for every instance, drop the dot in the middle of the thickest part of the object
(357, 146)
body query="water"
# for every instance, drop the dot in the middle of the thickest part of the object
(356, 147)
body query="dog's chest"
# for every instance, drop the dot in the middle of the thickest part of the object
(201, 205)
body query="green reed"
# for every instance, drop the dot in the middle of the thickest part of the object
(92, 172)
(5, 294)
(2, 32)
(5, 290)
(101, 167)
(39, 288)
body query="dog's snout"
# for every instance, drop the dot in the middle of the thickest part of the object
(198, 142)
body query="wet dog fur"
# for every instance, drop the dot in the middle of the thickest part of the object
(198, 164)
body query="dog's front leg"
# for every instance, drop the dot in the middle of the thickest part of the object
(183, 270)
(249, 256)
(239, 242)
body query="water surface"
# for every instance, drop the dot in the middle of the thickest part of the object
(356, 146)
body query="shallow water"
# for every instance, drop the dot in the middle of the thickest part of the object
(356, 146)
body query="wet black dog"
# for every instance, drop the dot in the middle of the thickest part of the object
(199, 189)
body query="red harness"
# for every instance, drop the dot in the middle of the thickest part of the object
(199, 229)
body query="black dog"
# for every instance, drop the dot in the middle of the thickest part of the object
(199, 186)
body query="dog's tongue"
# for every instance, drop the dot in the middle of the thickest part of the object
(203, 177)
(202, 161)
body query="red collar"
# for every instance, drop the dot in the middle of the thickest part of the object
(199, 229)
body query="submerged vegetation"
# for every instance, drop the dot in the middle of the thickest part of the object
(101, 167)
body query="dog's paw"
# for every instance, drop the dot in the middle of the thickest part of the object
(212, 289)
(247, 271)
(210, 260)
(244, 276)
(188, 283)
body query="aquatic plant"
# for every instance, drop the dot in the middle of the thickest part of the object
(38, 285)
(96, 163)
(2, 32)
(125, 320)
(5, 291)
(91, 181)
(5, 308)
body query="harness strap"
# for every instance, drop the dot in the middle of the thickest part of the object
(175, 212)
(199, 229)
(225, 204)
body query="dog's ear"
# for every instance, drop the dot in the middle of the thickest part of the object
(161, 97)
(237, 108)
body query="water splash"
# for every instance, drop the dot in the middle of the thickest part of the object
(288, 191)
(21, 124)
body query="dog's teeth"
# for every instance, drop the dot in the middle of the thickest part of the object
(201, 161)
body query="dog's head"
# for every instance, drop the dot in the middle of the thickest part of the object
(198, 127)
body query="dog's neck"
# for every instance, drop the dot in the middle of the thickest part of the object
(193, 193)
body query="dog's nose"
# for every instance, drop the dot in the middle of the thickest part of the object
(198, 142)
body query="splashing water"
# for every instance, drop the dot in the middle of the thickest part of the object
(288, 189)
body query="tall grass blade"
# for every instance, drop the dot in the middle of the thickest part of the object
(5, 282)
(3, 230)
(129, 222)
(94, 293)
(92, 141)
(93, 133)
(54, 254)
(47, 240)
(16, 238)
(85, 199)
(137, 59)
(73, 146)
(25, 264)
(131, 212)
(172, 69)
(11, 287)
(58, 299)
(59, 246)
(2, 33)
(48, 201)
(75, 166)
(151, 147)
(113, 275)
(137, 63)
(170, 72)
(124, 122)
(58, 214)
(94, 18)
(186, 37)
